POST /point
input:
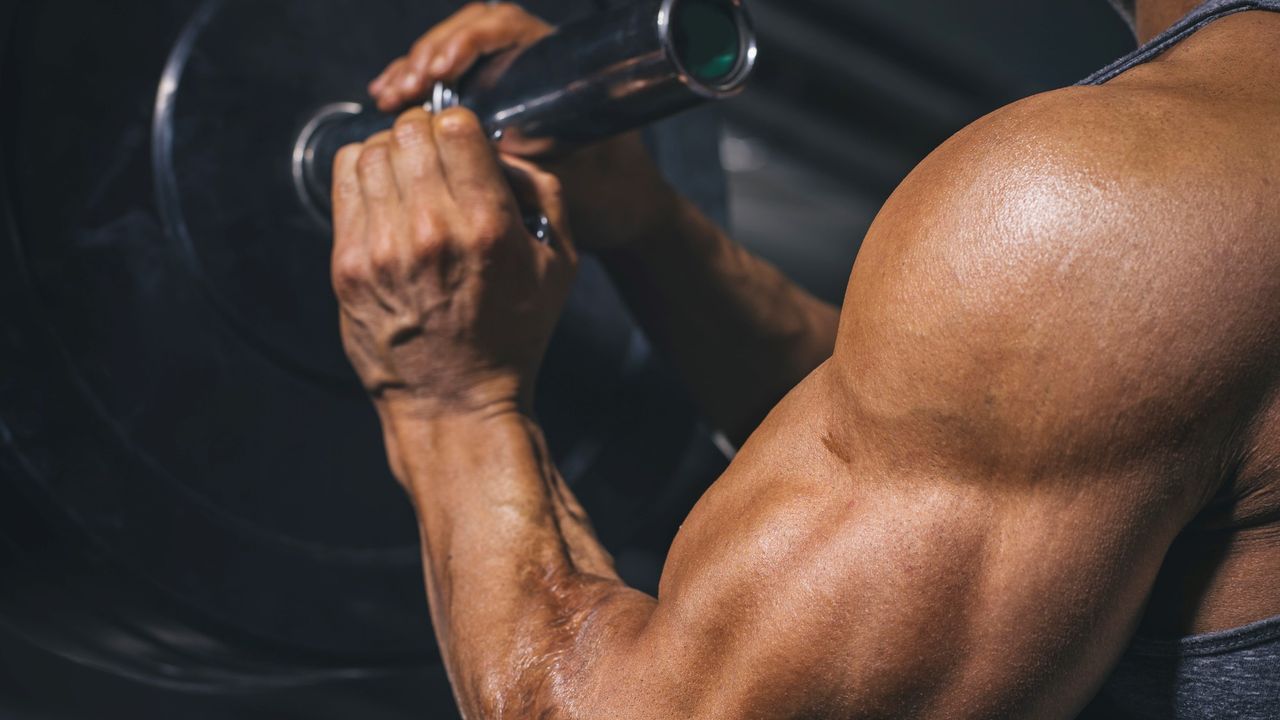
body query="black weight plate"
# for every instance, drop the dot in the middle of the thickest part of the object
(193, 485)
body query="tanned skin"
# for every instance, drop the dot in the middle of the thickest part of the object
(1048, 413)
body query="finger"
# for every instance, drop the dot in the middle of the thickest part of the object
(504, 26)
(539, 191)
(406, 78)
(475, 179)
(416, 162)
(383, 85)
(395, 94)
(373, 168)
(383, 212)
(535, 186)
(425, 50)
(348, 204)
(349, 256)
(378, 83)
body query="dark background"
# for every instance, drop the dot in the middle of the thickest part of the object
(850, 94)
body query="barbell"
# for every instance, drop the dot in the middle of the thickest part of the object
(193, 490)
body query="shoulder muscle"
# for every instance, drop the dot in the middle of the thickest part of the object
(1064, 275)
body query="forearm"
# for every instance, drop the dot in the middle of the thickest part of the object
(514, 573)
(741, 332)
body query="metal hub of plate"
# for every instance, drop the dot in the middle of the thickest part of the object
(302, 161)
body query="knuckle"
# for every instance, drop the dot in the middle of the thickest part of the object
(457, 122)
(551, 185)
(373, 157)
(463, 45)
(413, 127)
(403, 68)
(343, 182)
(427, 248)
(347, 154)
(428, 235)
(490, 225)
(547, 186)
(347, 272)
(383, 257)
(506, 9)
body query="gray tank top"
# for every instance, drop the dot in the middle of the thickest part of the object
(1234, 674)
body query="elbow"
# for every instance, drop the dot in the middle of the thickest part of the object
(557, 666)
(505, 696)
(540, 687)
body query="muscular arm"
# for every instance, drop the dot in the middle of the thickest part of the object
(739, 331)
(960, 514)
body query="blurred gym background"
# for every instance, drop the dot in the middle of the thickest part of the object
(849, 96)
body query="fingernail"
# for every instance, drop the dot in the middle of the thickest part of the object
(440, 65)
(409, 81)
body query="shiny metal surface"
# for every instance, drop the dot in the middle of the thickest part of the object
(600, 76)
(593, 78)
(312, 191)
(442, 98)
(735, 80)
(333, 126)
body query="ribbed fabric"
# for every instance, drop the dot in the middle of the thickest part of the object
(1229, 675)
(1196, 19)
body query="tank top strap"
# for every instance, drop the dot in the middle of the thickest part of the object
(1202, 15)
